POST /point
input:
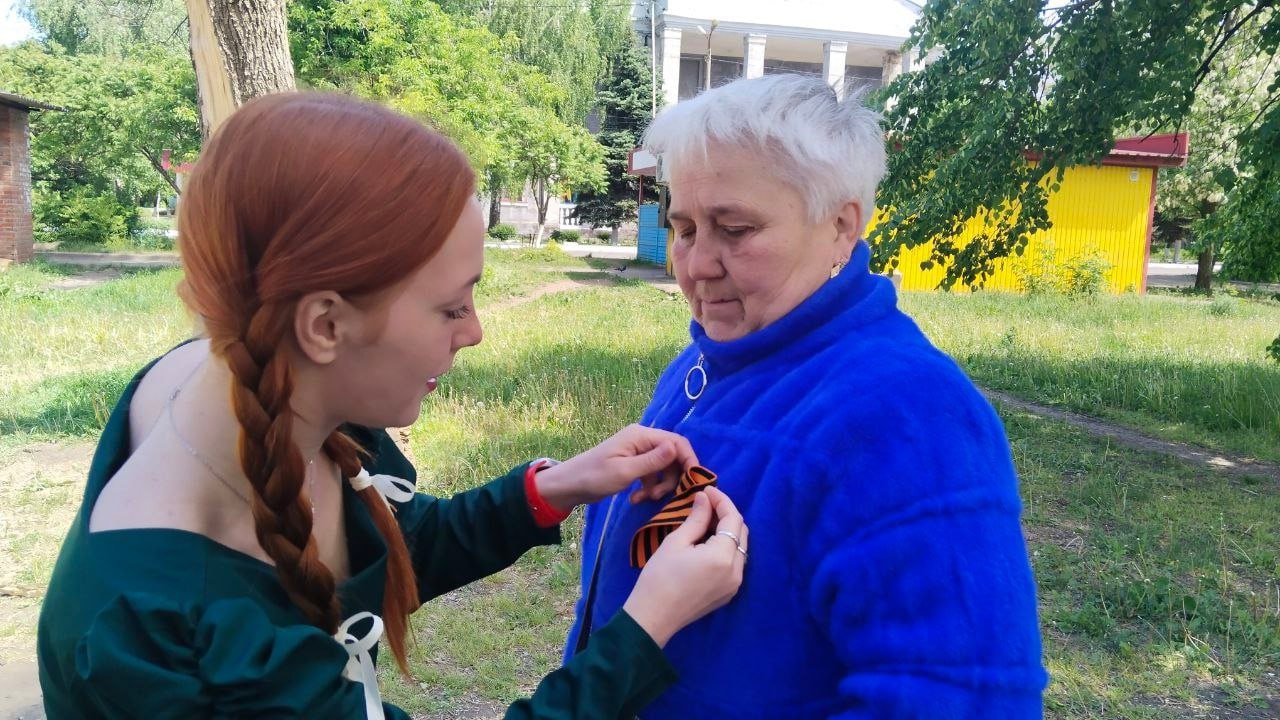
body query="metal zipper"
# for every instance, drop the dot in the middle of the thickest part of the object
(608, 515)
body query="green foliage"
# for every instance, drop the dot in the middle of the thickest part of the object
(569, 42)
(603, 235)
(552, 157)
(625, 103)
(112, 28)
(1273, 350)
(1223, 306)
(153, 236)
(413, 57)
(122, 113)
(1245, 227)
(1229, 99)
(456, 76)
(1010, 77)
(1083, 275)
(547, 254)
(80, 217)
(503, 232)
(566, 235)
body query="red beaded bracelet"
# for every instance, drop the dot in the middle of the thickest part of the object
(545, 515)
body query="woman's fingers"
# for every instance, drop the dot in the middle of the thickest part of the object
(694, 527)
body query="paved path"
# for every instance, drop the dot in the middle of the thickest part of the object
(130, 260)
(1183, 275)
(20, 692)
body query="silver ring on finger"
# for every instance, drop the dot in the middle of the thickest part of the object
(744, 553)
(731, 536)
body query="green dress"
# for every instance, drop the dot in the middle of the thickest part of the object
(166, 623)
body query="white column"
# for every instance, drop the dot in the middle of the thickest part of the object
(753, 55)
(892, 67)
(670, 65)
(833, 60)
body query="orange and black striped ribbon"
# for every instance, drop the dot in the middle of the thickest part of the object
(647, 539)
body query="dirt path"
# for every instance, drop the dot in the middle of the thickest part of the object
(550, 289)
(39, 486)
(1201, 457)
(86, 279)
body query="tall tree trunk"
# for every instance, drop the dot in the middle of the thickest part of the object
(495, 209)
(614, 239)
(1204, 271)
(240, 50)
(541, 198)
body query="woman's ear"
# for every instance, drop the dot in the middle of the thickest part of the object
(320, 325)
(849, 226)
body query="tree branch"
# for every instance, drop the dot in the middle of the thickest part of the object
(155, 163)
(1225, 37)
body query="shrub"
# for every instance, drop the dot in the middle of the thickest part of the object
(80, 217)
(566, 235)
(1080, 275)
(503, 232)
(1222, 306)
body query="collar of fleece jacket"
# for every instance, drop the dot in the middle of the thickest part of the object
(853, 298)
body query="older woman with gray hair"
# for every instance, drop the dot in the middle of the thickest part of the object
(888, 576)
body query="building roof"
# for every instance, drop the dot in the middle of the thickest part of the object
(1169, 150)
(25, 103)
(1149, 151)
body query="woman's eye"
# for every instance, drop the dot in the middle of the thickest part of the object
(458, 313)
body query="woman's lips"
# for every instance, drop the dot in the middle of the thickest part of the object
(720, 311)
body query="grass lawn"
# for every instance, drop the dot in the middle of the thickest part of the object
(1185, 368)
(1159, 585)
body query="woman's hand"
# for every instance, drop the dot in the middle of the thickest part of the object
(688, 578)
(656, 457)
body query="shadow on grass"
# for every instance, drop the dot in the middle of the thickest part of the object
(75, 405)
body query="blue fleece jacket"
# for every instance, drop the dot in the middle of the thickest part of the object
(888, 576)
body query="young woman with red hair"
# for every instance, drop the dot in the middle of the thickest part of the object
(247, 531)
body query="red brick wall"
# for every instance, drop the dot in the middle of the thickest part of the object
(15, 186)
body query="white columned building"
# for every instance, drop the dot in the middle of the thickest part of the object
(848, 44)
(834, 53)
(753, 54)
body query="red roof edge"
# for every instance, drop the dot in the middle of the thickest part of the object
(1152, 152)
(1168, 150)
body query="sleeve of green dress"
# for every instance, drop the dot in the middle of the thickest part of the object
(619, 672)
(471, 535)
(458, 540)
(145, 656)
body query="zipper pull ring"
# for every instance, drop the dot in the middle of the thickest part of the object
(699, 372)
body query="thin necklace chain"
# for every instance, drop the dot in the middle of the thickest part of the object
(191, 450)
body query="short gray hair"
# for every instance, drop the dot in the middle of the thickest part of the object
(830, 151)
